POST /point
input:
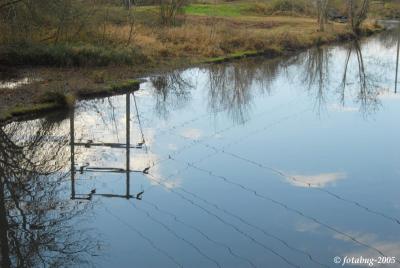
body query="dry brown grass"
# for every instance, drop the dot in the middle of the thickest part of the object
(205, 37)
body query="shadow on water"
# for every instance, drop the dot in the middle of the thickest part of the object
(112, 155)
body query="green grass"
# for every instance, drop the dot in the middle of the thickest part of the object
(243, 54)
(219, 10)
(118, 15)
(60, 98)
(125, 85)
(22, 110)
(52, 100)
(110, 89)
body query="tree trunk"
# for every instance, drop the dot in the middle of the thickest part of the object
(5, 250)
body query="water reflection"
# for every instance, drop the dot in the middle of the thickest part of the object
(172, 91)
(37, 223)
(230, 87)
(233, 87)
(318, 68)
(218, 166)
(14, 84)
(368, 91)
(397, 62)
(126, 147)
(316, 74)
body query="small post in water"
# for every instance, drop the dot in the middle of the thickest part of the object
(397, 61)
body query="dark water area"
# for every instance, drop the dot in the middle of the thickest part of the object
(256, 163)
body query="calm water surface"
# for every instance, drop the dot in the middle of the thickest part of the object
(256, 163)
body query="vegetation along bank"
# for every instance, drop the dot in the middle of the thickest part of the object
(52, 52)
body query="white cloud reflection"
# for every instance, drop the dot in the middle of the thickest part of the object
(389, 248)
(317, 181)
(192, 133)
(17, 83)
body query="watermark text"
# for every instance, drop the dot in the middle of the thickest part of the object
(363, 261)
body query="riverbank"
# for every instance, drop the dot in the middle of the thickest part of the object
(202, 39)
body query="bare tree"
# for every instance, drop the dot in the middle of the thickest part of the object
(357, 13)
(322, 16)
(169, 9)
(131, 21)
(128, 4)
(40, 20)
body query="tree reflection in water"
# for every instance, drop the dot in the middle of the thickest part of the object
(172, 91)
(230, 90)
(368, 91)
(231, 86)
(36, 216)
(316, 74)
(355, 78)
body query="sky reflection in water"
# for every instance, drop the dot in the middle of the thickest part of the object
(258, 163)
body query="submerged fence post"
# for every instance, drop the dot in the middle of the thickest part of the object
(128, 141)
(397, 61)
(72, 144)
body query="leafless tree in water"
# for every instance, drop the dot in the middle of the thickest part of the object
(266, 73)
(367, 90)
(316, 74)
(37, 219)
(357, 12)
(232, 86)
(230, 90)
(172, 90)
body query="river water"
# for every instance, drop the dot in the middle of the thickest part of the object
(287, 162)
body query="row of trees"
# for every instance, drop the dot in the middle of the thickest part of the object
(64, 20)
(357, 11)
(60, 21)
(42, 20)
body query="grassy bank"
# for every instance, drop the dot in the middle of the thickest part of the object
(104, 60)
(116, 36)
(39, 98)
